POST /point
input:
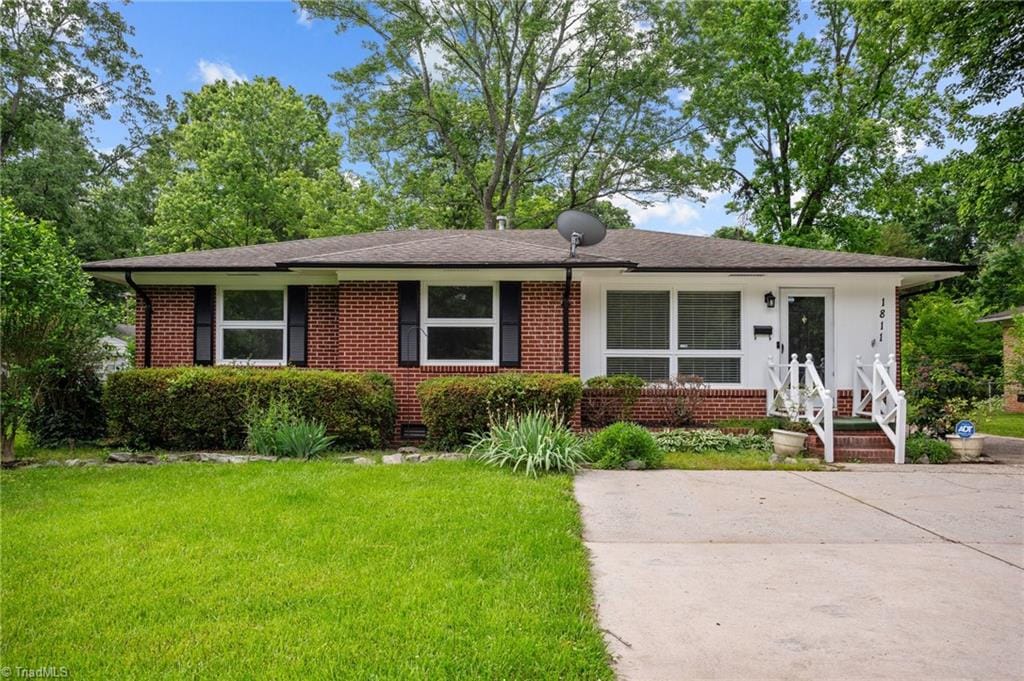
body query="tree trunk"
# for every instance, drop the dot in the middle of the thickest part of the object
(8, 449)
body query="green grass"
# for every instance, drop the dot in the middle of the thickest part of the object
(290, 569)
(1008, 425)
(746, 460)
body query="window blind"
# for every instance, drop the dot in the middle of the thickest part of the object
(709, 320)
(711, 369)
(638, 320)
(651, 369)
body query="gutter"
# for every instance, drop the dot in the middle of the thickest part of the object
(566, 299)
(148, 352)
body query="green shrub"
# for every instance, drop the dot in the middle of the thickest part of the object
(920, 445)
(613, 446)
(710, 441)
(456, 407)
(206, 408)
(68, 408)
(608, 399)
(533, 441)
(940, 393)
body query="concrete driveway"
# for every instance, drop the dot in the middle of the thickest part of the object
(883, 572)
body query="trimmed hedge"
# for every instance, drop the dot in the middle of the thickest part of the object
(455, 407)
(205, 408)
(607, 399)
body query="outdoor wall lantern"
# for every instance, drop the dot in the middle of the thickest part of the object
(769, 300)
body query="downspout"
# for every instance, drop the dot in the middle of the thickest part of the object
(566, 295)
(147, 360)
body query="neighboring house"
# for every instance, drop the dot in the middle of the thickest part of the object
(417, 304)
(1012, 392)
(116, 350)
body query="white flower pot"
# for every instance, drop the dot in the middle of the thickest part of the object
(966, 449)
(787, 442)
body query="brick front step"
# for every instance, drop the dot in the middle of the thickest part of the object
(866, 446)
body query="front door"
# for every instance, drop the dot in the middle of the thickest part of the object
(807, 328)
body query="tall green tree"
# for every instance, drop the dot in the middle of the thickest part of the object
(63, 64)
(820, 112)
(476, 108)
(49, 322)
(250, 162)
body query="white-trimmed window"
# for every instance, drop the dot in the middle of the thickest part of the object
(251, 325)
(461, 324)
(661, 333)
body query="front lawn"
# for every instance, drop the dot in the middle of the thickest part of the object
(1005, 424)
(289, 569)
(742, 460)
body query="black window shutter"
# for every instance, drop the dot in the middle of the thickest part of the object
(408, 323)
(202, 337)
(510, 323)
(297, 315)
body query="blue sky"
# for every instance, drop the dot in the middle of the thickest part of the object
(185, 44)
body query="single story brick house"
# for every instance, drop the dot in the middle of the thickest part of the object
(417, 304)
(1013, 394)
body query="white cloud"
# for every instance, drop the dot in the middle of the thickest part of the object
(303, 17)
(212, 71)
(667, 216)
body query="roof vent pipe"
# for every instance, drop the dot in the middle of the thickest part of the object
(502, 222)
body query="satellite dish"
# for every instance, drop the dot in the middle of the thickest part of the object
(579, 229)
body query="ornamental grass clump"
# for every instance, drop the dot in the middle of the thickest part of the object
(278, 431)
(534, 442)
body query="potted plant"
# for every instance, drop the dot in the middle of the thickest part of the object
(966, 448)
(789, 442)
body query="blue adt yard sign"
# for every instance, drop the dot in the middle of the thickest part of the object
(965, 429)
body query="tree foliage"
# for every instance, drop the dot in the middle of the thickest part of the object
(250, 162)
(65, 63)
(470, 110)
(49, 321)
(820, 114)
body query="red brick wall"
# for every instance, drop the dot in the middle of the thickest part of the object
(368, 326)
(322, 328)
(655, 405)
(173, 319)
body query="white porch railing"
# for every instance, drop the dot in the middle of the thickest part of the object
(876, 397)
(810, 402)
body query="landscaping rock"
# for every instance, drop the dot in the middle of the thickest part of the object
(214, 457)
(119, 457)
(408, 450)
(363, 461)
(411, 458)
(790, 460)
(427, 458)
(452, 456)
(391, 458)
(633, 465)
(74, 463)
(148, 459)
(924, 459)
(774, 458)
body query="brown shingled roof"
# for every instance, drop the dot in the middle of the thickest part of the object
(633, 249)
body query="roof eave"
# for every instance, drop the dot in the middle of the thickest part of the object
(453, 266)
(799, 268)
